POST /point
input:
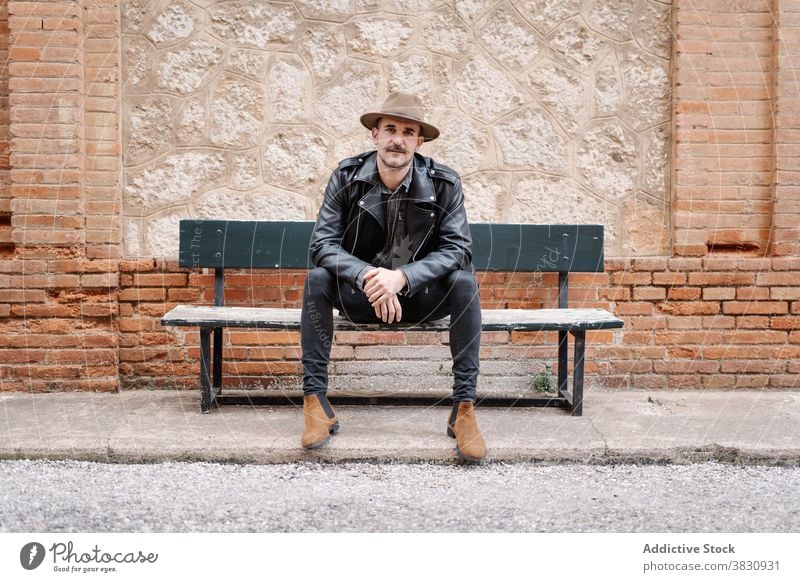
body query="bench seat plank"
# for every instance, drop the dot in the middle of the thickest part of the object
(493, 319)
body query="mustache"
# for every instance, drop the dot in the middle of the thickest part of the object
(396, 148)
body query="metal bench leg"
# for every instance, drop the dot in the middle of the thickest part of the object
(205, 365)
(217, 384)
(563, 362)
(577, 381)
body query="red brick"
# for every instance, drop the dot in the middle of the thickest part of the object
(786, 264)
(786, 293)
(681, 264)
(770, 279)
(753, 322)
(784, 380)
(649, 293)
(735, 278)
(755, 307)
(790, 323)
(684, 322)
(683, 293)
(534, 337)
(130, 266)
(615, 294)
(628, 278)
(752, 367)
(719, 293)
(265, 337)
(688, 337)
(689, 307)
(160, 280)
(640, 323)
(754, 337)
(718, 381)
(670, 279)
(142, 294)
(638, 308)
(22, 296)
(686, 367)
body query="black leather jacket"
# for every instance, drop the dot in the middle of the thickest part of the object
(350, 226)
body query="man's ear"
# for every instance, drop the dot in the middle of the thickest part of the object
(375, 135)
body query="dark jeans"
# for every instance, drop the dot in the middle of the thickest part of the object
(456, 294)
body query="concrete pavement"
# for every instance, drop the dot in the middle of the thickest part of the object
(751, 427)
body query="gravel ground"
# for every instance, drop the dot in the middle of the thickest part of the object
(74, 496)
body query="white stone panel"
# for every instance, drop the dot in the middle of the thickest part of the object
(132, 237)
(379, 36)
(296, 158)
(147, 128)
(530, 139)
(484, 196)
(331, 10)
(444, 32)
(289, 89)
(173, 180)
(137, 69)
(647, 88)
(255, 23)
(465, 145)
(177, 21)
(608, 92)
(578, 46)
(249, 63)
(562, 91)
(544, 199)
(192, 122)
(187, 67)
(237, 113)
(471, 10)
(545, 15)
(608, 159)
(351, 93)
(645, 224)
(262, 204)
(653, 27)
(135, 14)
(245, 170)
(474, 78)
(613, 18)
(413, 74)
(509, 39)
(161, 235)
(323, 48)
(656, 145)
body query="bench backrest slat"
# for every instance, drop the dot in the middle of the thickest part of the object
(496, 247)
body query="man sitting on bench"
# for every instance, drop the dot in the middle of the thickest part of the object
(391, 243)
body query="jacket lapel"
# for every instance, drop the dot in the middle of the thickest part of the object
(371, 200)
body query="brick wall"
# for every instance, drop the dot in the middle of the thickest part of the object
(59, 298)
(710, 322)
(6, 248)
(722, 312)
(786, 221)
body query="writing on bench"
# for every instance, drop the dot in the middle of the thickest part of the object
(564, 249)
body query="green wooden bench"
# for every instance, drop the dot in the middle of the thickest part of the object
(220, 245)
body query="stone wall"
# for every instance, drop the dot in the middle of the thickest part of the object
(552, 111)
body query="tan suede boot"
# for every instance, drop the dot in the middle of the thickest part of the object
(320, 421)
(463, 425)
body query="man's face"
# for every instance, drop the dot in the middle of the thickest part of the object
(396, 140)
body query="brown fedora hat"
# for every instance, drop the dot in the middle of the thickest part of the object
(404, 106)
